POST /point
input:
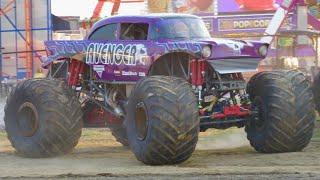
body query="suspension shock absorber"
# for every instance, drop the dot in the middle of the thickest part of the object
(201, 72)
(193, 73)
(197, 69)
(76, 69)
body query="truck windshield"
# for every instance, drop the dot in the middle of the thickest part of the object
(180, 28)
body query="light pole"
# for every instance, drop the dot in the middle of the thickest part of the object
(1, 48)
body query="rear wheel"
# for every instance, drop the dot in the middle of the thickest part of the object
(286, 115)
(120, 133)
(162, 120)
(96, 117)
(43, 118)
(316, 91)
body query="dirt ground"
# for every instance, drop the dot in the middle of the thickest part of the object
(219, 154)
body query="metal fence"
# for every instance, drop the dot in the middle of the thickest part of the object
(24, 25)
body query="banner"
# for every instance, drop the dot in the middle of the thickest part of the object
(212, 6)
(245, 6)
(156, 6)
(181, 6)
(248, 23)
(192, 6)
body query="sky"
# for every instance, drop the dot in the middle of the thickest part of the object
(85, 8)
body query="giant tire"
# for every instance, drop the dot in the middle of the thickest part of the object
(316, 92)
(286, 117)
(43, 118)
(117, 130)
(169, 107)
(120, 134)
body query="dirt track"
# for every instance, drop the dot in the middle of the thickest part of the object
(218, 155)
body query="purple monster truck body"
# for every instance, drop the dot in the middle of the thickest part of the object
(156, 81)
(228, 56)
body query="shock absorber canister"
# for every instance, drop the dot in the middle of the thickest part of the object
(197, 68)
(76, 68)
(193, 73)
(201, 72)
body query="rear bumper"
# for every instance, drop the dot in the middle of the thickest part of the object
(225, 66)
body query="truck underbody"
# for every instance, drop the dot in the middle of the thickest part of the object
(222, 98)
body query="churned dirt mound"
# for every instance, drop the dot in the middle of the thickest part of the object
(219, 154)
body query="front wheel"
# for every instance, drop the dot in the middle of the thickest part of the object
(286, 112)
(43, 118)
(162, 120)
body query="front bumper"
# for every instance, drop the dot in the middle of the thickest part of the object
(238, 65)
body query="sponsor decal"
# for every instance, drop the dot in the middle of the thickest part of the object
(117, 73)
(99, 69)
(142, 74)
(129, 73)
(116, 54)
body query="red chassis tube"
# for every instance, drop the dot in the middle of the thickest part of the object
(231, 111)
(76, 68)
(197, 68)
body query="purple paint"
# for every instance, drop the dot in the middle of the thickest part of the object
(130, 60)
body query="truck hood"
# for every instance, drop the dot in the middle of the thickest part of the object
(227, 48)
(221, 48)
(229, 56)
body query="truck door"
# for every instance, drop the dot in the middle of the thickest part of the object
(100, 51)
(119, 52)
(135, 51)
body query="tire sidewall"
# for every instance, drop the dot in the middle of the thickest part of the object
(170, 107)
(289, 118)
(259, 92)
(59, 118)
(11, 120)
(259, 133)
(138, 146)
(316, 92)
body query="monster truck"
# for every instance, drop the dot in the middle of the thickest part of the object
(157, 81)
